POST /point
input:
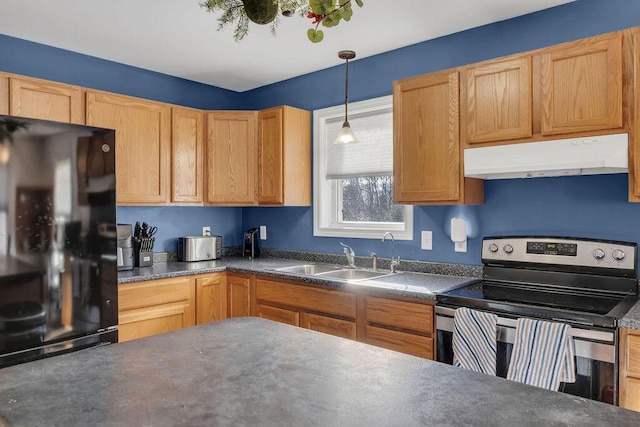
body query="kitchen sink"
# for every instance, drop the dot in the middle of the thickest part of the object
(309, 269)
(353, 274)
(331, 271)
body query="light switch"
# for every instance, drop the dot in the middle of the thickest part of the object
(263, 232)
(426, 240)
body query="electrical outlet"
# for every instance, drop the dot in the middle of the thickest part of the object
(460, 246)
(206, 231)
(263, 232)
(427, 240)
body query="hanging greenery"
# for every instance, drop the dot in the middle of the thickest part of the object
(327, 13)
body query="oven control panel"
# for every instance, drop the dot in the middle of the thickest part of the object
(562, 251)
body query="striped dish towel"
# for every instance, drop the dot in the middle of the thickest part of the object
(543, 354)
(475, 340)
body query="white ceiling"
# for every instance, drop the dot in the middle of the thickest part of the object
(179, 38)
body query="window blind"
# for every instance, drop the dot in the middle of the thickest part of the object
(372, 156)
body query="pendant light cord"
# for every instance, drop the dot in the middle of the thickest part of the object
(346, 93)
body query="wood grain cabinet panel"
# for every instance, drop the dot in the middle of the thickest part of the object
(284, 157)
(4, 93)
(187, 156)
(238, 290)
(329, 325)
(629, 392)
(230, 153)
(499, 100)
(277, 314)
(42, 99)
(426, 142)
(143, 136)
(155, 306)
(581, 85)
(403, 342)
(211, 298)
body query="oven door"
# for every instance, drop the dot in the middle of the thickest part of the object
(596, 367)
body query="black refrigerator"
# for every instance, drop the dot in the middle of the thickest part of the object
(58, 274)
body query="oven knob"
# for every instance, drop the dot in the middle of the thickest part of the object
(618, 255)
(507, 248)
(493, 248)
(598, 253)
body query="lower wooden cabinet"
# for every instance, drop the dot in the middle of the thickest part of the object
(404, 326)
(323, 310)
(329, 325)
(211, 298)
(630, 369)
(239, 296)
(154, 307)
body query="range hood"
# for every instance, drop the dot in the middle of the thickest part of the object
(576, 156)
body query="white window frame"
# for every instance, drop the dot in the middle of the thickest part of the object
(327, 196)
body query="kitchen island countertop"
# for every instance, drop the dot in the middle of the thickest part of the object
(407, 284)
(249, 371)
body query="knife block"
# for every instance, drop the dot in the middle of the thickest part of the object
(144, 257)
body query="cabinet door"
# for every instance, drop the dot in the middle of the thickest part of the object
(46, 100)
(4, 94)
(231, 158)
(154, 307)
(499, 96)
(630, 369)
(403, 342)
(143, 132)
(329, 325)
(186, 156)
(238, 291)
(211, 299)
(277, 314)
(270, 157)
(426, 153)
(581, 85)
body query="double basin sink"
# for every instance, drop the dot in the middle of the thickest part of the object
(335, 272)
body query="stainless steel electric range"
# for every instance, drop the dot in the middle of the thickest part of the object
(589, 284)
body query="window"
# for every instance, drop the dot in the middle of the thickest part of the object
(353, 184)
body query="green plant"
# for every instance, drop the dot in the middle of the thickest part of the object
(8, 127)
(329, 13)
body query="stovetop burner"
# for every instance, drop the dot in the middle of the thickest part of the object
(588, 282)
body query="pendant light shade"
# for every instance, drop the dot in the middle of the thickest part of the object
(346, 135)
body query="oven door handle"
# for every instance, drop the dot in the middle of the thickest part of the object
(589, 344)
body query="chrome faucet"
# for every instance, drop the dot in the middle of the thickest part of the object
(374, 261)
(394, 263)
(350, 255)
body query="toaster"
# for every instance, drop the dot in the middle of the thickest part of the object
(199, 248)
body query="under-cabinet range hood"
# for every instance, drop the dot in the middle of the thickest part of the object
(576, 156)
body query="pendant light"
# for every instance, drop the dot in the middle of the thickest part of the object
(346, 136)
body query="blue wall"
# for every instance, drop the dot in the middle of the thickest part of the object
(593, 206)
(46, 62)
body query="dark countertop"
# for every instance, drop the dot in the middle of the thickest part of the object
(409, 284)
(249, 371)
(631, 320)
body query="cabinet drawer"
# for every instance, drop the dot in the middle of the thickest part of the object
(307, 298)
(329, 325)
(633, 354)
(400, 314)
(154, 292)
(416, 345)
(277, 314)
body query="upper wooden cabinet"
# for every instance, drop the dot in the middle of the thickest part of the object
(143, 141)
(230, 153)
(581, 85)
(187, 177)
(284, 157)
(426, 148)
(42, 99)
(498, 100)
(4, 93)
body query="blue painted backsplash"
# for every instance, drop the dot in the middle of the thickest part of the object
(590, 206)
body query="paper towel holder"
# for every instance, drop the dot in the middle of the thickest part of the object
(459, 234)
